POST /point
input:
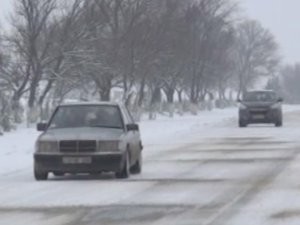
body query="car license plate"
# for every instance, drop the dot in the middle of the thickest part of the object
(258, 116)
(77, 160)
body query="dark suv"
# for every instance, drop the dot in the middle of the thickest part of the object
(260, 107)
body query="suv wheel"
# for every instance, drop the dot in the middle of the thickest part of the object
(242, 124)
(137, 167)
(278, 123)
(39, 175)
(125, 172)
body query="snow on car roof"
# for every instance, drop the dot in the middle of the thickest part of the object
(89, 103)
(261, 90)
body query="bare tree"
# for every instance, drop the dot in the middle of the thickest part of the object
(148, 49)
(208, 23)
(41, 40)
(289, 82)
(65, 35)
(256, 53)
(32, 21)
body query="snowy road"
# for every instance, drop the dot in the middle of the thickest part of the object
(200, 170)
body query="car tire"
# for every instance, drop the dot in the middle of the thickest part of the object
(278, 123)
(137, 167)
(40, 175)
(125, 172)
(242, 124)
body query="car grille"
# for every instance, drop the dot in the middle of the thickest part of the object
(258, 110)
(77, 146)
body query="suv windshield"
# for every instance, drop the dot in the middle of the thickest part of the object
(259, 96)
(87, 116)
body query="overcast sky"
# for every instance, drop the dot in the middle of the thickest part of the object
(5, 8)
(281, 17)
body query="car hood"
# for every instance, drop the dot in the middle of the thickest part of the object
(82, 134)
(258, 104)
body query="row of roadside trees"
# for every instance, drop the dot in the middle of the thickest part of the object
(148, 50)
(287, 83)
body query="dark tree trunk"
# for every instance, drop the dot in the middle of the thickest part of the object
(21, 90)
(156, 95)
(193, 98)
(170, 94)
(17, 111)
(128, 100)
(45, 92)
(127, 78)
(242, 86)
(105, 94)
(104, 87)
(51, 81)
(179, 93)
(32, 94)
(33, 87)
(202, 96)
(141, 93)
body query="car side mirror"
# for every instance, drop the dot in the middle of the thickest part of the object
(132, 127)
(280, 99)
(41, 126)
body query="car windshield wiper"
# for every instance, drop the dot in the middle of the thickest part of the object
(106, 126)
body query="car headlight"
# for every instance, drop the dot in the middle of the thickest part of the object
(106, 146)
(47, 146)
(275, 106)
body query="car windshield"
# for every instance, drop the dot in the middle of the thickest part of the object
(87, 116)
(259, 96)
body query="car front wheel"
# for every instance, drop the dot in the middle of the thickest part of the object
(125, 172)
(39, 174)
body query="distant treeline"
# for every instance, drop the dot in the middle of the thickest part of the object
(187, 50)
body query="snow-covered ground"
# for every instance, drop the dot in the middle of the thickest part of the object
(18, 146)
(197, 170)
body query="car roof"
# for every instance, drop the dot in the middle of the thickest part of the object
(90, 103)
(251, 91)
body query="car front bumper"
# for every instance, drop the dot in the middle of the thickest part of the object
(267, 116)
(98, 162)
